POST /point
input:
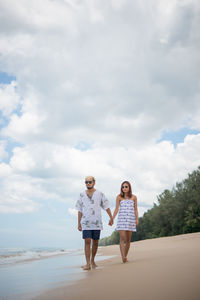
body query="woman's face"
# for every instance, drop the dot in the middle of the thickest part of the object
(125, 187)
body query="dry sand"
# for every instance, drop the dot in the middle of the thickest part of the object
(163, 268)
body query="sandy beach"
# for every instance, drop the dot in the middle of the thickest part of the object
(163, 268)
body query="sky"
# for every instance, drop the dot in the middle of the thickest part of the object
(108, 88)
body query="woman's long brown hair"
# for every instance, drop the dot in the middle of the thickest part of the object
(130, 189)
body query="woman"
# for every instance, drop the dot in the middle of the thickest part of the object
(126, 204)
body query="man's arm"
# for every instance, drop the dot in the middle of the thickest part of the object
(79, 221)
(110, 215)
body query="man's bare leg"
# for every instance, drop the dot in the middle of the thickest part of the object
(94, 251)
(87, 254)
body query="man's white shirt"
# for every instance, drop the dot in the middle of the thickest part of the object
(91, 210)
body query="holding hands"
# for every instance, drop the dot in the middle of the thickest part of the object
(111, 222)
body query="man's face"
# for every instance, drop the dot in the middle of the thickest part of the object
(89, 182)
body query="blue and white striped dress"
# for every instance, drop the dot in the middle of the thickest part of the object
(126, 216)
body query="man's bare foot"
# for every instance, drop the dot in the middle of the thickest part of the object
(93, 265)
(124, 260)
(86, 267)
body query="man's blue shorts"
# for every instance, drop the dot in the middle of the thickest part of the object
(91, 234)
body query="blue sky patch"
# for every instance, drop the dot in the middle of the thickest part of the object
(177, 136)
(3, 120)
(83, 146)
(10, 145)
(6, 78)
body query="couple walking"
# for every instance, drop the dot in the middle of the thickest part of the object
(89, 207)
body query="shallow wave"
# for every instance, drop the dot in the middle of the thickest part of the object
(17, 255)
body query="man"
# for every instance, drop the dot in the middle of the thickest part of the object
(89, 207)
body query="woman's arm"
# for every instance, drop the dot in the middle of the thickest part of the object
(110, 215)
(136, 211)
(116, 207)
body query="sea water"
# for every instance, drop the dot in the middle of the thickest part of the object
(25, 273)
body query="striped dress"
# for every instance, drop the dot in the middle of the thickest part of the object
(126, 216)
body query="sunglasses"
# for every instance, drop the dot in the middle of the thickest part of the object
(86, 182)
(125, 186)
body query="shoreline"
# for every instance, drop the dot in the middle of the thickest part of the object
(161, 268)
(19, 258)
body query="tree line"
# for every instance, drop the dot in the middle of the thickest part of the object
(176, 212)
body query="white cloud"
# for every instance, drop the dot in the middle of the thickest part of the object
(21, 160)
(130, 89)
(9, 98)
(20, 128)
(56, 173)
(21, 193)
(15, 197)
(3, 152)
(112, 75)
(5, 170)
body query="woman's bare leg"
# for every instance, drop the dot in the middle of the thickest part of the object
(122, 244)
(128, 242)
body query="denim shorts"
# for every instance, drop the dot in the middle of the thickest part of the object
(91, 234)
